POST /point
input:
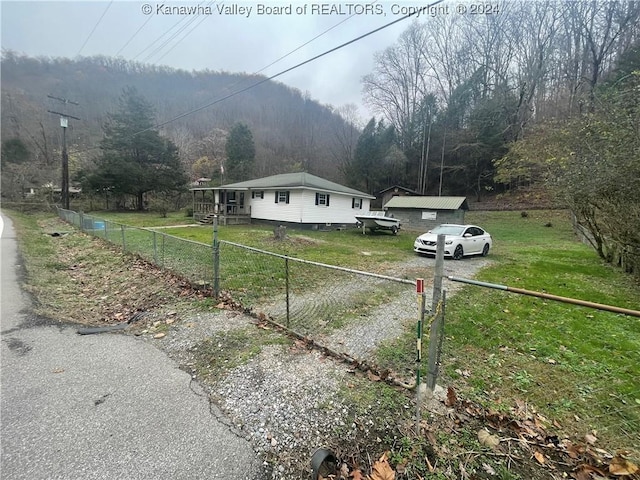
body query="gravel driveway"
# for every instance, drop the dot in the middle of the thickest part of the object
(284, 398)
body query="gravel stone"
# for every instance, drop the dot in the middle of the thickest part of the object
(284, 400)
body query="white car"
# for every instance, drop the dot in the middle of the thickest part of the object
(460, 241)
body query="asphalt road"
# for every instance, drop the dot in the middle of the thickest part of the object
(105, 406)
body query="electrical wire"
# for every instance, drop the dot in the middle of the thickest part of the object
(94, 28)
(134, 35)
(312, 59)
(266, 79)
(187, 34)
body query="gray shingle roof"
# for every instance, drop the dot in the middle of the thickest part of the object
(294, 181)
(432, 203)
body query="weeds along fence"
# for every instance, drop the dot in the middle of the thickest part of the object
(313, 299)
(189, 259)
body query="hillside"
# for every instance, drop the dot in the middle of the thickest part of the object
(291, 131)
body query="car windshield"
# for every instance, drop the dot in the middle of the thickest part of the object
(448, 230)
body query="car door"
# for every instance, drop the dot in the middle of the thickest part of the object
(474, 242)
(467, 241)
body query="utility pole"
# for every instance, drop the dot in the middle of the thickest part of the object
(64, 123)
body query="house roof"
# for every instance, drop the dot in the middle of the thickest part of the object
(292, 181)
(431, 203)
(398, 188)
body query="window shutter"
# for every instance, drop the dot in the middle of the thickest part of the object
(328, 199)
(361, 202)
(287, 197)
(317, 195)
(353, 203)
(277, 193)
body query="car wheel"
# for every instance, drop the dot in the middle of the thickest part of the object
(458, 253)
(394, 230)
(485, 250)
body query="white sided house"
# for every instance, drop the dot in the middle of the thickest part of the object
(299, 199)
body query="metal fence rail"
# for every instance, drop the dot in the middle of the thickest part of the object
(310, 298)
(189, 259)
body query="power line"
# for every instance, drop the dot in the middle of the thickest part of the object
(94, 27)
(183, 28)
(134, 35)
(154, 42)
(204, 17)
(256, 84)
(260, 82)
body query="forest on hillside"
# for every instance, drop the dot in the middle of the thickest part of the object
(453, 96)
(291, 131)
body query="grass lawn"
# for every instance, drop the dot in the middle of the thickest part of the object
(579, 367)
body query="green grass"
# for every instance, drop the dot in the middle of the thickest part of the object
(144, 219)
(578, 366)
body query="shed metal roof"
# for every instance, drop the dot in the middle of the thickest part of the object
(291, 181)
(430, 203)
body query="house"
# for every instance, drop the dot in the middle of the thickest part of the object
(394, 191)
(424, 213)
(299, 199)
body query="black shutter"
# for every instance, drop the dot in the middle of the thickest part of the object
(317, 195)
(328, 199)
(287, 197)
(277, 196)
(353, 203)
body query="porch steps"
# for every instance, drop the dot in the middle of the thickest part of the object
(207, 219)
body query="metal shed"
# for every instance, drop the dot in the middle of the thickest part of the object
(424, 213)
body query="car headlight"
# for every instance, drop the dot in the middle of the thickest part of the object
(448, 242)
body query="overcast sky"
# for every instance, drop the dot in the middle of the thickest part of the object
(237, 36)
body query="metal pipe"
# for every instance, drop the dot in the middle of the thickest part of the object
(548, 296)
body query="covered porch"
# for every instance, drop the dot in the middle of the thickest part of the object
(228, 205)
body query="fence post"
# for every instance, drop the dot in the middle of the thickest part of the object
(124, 243)
(286, 283)
(436, 335)
(155, 248)
(421, 313)
(436, 308)
(162, 250)
(106, 237)
(81, 214)
(439, 272)
(216, 258)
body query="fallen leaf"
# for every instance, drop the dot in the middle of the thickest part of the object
(488, 468)
(373, 377)
(451, 397)
(590, 439)
(382, 470)
(539, 456)
(488, 440)
(357, 475)
(58, 370)
(584, 471)
(159, 335)
(621, 466)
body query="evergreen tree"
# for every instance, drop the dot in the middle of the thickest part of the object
(241, 153)
(135, 159)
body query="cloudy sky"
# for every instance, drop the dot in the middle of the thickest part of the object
(240, 36)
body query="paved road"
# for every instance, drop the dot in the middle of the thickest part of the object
(105, 406)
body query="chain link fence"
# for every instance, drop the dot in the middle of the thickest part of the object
(189, 259)
(348, 311)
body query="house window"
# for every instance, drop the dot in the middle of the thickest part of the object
(282, 197)
(356, 203)
(322, 199)
(259, 194)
